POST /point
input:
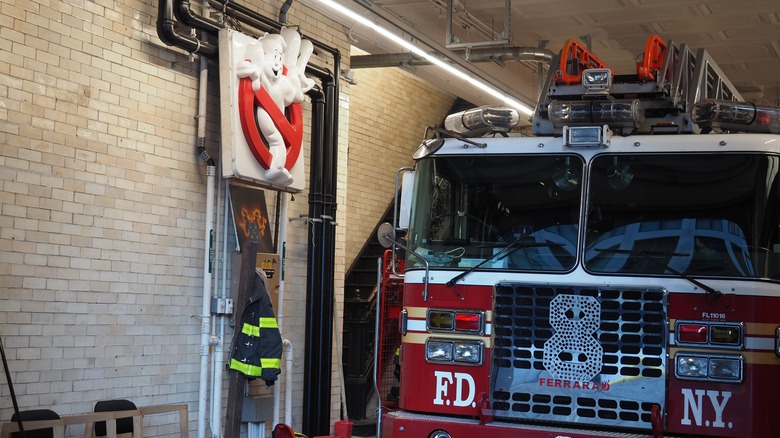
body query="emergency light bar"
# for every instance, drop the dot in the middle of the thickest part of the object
(736, 116)
(615, 113)
(490, 118)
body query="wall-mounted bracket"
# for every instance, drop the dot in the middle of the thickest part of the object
(452, 41)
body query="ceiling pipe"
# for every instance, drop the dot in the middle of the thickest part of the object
(170, 35)
(425, 40)
(184, 13)
(283, 11)
(501, 54)
(249, 16)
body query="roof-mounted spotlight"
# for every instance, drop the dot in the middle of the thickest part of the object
(597, 81)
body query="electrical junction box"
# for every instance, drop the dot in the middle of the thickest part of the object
(269, 263)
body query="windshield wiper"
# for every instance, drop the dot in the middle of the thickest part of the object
(650, 254)
(505, 251)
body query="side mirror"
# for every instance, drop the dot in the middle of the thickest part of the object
(428, 147)
(386, 234)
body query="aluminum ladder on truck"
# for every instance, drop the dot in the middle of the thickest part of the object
(667, 83)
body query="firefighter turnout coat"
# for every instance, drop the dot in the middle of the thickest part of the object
(257, 344)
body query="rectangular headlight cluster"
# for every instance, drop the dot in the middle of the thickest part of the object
(703, 367)
(456, 321)
(714, 334)
(466, 352)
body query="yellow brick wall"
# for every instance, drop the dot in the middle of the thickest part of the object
(390, 109)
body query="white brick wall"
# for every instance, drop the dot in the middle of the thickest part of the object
(102, 204)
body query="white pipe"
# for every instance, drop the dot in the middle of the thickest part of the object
(216, 394)
(288, 387)
(280, 319)
(379, 314)
(282, 249)
(215, 376)
(205, 323)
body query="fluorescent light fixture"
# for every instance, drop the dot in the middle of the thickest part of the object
(520, 106)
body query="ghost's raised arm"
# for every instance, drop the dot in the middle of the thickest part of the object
(293, 40)
(251, 66)
(297, 56)
(307, 48)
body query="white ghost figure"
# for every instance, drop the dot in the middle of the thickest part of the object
(264, 64)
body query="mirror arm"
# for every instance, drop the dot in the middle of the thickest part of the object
(386, 236)
(427, 267)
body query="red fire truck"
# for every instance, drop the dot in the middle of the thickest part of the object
(615, 274)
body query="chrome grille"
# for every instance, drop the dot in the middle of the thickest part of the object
(628, 380)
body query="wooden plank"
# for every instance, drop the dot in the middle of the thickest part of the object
(236, 380)
(11, 427)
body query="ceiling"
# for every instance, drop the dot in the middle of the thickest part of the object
(743, 37)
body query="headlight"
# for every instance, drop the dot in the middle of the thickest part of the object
(469, 352)
(691, 366)
(458, 351)
(726, 368)
(439, 351)
(703, 367)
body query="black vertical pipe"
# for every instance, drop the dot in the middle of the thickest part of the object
(331, 171)
(316, 365)
(320, 291)
(329, 235)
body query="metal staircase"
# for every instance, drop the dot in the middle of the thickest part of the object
(359, 322)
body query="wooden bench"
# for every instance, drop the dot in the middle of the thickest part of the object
(89, 420)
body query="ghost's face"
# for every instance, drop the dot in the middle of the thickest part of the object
(273, 46)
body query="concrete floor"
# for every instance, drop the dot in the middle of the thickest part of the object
(367, 426)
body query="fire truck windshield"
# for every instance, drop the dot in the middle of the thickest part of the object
(468, 209)
(702, 215)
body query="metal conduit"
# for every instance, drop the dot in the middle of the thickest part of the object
(518, 54)
(170, 35)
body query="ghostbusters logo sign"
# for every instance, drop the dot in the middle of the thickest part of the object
(266, 87)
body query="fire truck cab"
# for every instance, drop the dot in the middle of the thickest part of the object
(616, 274)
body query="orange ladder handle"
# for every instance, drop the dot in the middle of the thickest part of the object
(575, 58)
(653, 59)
